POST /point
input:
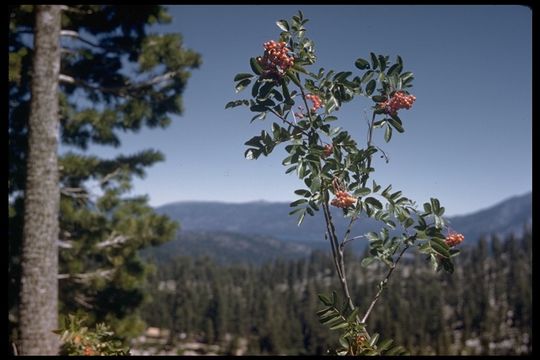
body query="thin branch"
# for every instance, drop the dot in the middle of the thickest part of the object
(331, 238)
(348, 232)
(288, 122)
(338, 255)
(383, 284)
(75, 10)
(83, 300)
(113, 240)
(86, 277)
(74, 192)
(370, 137)
(64, 244)
(76, 35)
(386, 158)
(119, 90)
(109, 176)
(345, 241)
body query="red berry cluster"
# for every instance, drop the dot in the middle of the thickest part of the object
(316, 102)
(328, 149)
(454, 239)
(343, 200)
(275, 60)
(88, 351)
(399, 101)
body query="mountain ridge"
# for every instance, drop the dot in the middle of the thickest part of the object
(258, 231)
(272, 219)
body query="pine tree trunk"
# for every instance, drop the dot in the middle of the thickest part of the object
(39, 283)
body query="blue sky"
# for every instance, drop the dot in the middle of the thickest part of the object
(468, 138)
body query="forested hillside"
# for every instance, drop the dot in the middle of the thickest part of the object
(485, 307)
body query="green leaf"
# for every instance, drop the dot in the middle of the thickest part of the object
(283, 25)
(378, 98)
(339, 326)
(352, 316)
(258, 108)
(448, 266)
(331, 321)
(370, 87)
(406, 75)
(298, 202)
(242, 84)
(255, 66)
(362, 191)
(302, 192)
(440, 249)
(382, 62)
(436, 205)
(372, 236)
(232, 104)
(242, 76)
(374, 202)
(295, 211)
(325, 312)
(396, 124)
(374, 60)
(399, 60)
(300, 69)
(343, 342)
(394, 69)
(292, 76)
(427, 208)
(376, 187)
(373, 339)
(387, 134)
(325, 299)
(291, 169)
(252, 154)
(367, 76)
(385, 344)
(265, 89)
(330, 118)
(361, 64)
(367, 261)
(286, 94)
(395, 350)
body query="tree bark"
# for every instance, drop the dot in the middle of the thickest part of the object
(39, 262)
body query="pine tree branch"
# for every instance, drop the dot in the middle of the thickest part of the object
(75, 192)
(119, 90)
(76, 35)
(113, 240)
(65, 244)
(75, 10)
(86, 277)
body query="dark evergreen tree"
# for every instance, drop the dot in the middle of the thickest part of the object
(115, 77)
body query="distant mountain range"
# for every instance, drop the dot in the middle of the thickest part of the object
(259, 231)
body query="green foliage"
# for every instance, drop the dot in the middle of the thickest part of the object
(306, 136)
(123, 78)
(353, 340)
(77, 339)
